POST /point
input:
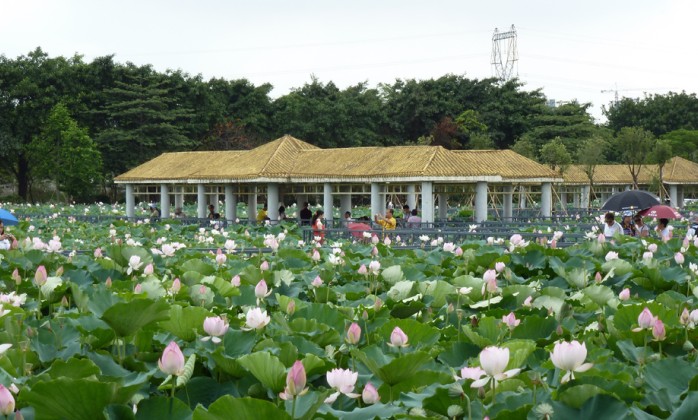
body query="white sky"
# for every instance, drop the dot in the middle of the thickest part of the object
(571, 49)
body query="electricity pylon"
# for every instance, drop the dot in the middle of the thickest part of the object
(505, 56)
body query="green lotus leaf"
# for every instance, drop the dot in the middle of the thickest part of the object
(267, 368)
(66, 398)
(392, 274)
(128, 317)
(244, 408)
(185, 323)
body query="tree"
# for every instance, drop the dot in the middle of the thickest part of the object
(591, 153)
(634, 146)
(64, 153)
(658, 114)
(683, 143)
(525, 147)
(571, 123)
(661, 154)
(555, 155)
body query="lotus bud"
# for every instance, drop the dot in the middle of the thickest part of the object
(499, 266)
(107, 283)
(652, 247)
(559, 330)
(374, 251)
(316, 256)
(364, 315)
(370, 394)
(172, 360)
(221, 258)
(16, 277)
(601, 238)
(646, 319)
(624, 294)
(138, 289)
(235, 281)
(678, 257)
(176, 286)
(398, 338)
(354, 334)
(658, 330)
(7, 401)
(264, 266)
(291, 307)
(40, 276)
(261, 290)
(59, 271)
(317, 282)
(450, 308)
(374, 239)
(553, 244)
(148, 270)
(527, 301)
(459, 252)
(363, 270)
(454, 411)
(597, 277)
(98, 253)
(295, 380)
(377, 305)
(64, 302)
(688, 346)
(685, 317)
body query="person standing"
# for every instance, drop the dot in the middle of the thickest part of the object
(414, 222)
(318, 227)
(306, 214)
(641, 228)
(388, 222)
(663, 229)
(628, 228)
(611, 227)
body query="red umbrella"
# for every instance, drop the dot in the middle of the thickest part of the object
(661, 212)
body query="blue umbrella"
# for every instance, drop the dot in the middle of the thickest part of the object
(8, 218)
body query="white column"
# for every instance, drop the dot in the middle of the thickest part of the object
(584, 195)
(130, 202)
(443, 206)
(411, 196)
(508, 202)
(614, 189)
(252, 204)
(522, 196)
(427, 202)
(481, 201)
(546, 199)
(327, 201)
(200, 201)
(344, 205)
(231, 203)
(375, 200)
(213, 199)
(164, 201)
(179, 197)
(273, 201)
(563, 200)
(575, 197)
(674, 195)
(383, 199)
(679, 201)
(300, 200)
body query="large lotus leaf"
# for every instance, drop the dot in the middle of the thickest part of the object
(393, 274)
(161, 408)
(599, 294)
(418, 334)
(130, 251)
(153, 288)
(319, 333)
(533, 259)
(401, 290)
(688, 408)
(552, 303)
(672, 374)
(371, 412)
(519, 350)
(284, 350)
(73, 368)
(328, 315)
(128, 317)
(439, 290)
(283, 277)
(619, 267)
(243, 408)
(75, 399)
(576, 396)
(197, 265)
(267, 368)
(97, 300)
(185, 323)
(392, 371)
(534, 327)
(225, 288)
(599, 407)
(422, 379)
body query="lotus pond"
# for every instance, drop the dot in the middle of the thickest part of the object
(124, 320)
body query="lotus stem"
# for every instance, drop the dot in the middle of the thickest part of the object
(293, 407)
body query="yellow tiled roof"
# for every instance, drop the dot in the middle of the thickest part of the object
(677, 170)
(291, 158)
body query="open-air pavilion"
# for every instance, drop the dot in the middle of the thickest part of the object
(425, 176)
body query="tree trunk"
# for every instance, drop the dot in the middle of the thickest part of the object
(22, 176)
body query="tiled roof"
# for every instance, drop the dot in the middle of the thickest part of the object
(677, 171)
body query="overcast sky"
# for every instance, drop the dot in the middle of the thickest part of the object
(570, 49)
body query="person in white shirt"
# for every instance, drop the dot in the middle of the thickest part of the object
(611, 227)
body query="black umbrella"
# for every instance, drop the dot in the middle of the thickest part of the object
(631, 200)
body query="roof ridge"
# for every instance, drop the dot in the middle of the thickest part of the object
(431, 159)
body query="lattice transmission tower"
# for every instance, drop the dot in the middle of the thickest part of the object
(505, 56)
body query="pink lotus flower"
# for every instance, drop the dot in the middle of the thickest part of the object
(398, 338)
(645, 320)
(148, 270)
(459, 252)
(658, 330)
(343, 381)
(261, 291)
(134, 263)
(16, 277)
(98, 253)
(569, 357)
(647, 255)
(316, 256)
(256, 319)
(264, 266)
(611, 256)
(601, 238)
(527, 302)
(598, 278)
(449, 247)
(374, 267)
(678, 257)
(493, 360)
(172, 360)
(374, 251)
(499, 266)
(387, 241)
(107, 283)
(370, 394)
(374, 239)
(685, 317)
(235, 281)
(490, 285)
(353, 334)
(176, 286)
(624, 294)
(652, 248)
(138, 289)
(317, 282)
(221, 258)
(516, 239)
(363, 270)
(472, 373)
(40, 276)
(7, 401)
(295, 382)
(291, 307)
(215, 327)
(511, 321)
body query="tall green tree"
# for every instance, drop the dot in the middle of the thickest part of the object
(661, 154)
(590, 154)
(570, 122)
(65, 154)
(683, 143)
(658, 114)
(634, 146)
(555, 155)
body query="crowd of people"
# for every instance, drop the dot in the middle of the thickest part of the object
(634, 225)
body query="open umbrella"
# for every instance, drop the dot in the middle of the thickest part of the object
(631, 200)
(661, 212)
(8, 218)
